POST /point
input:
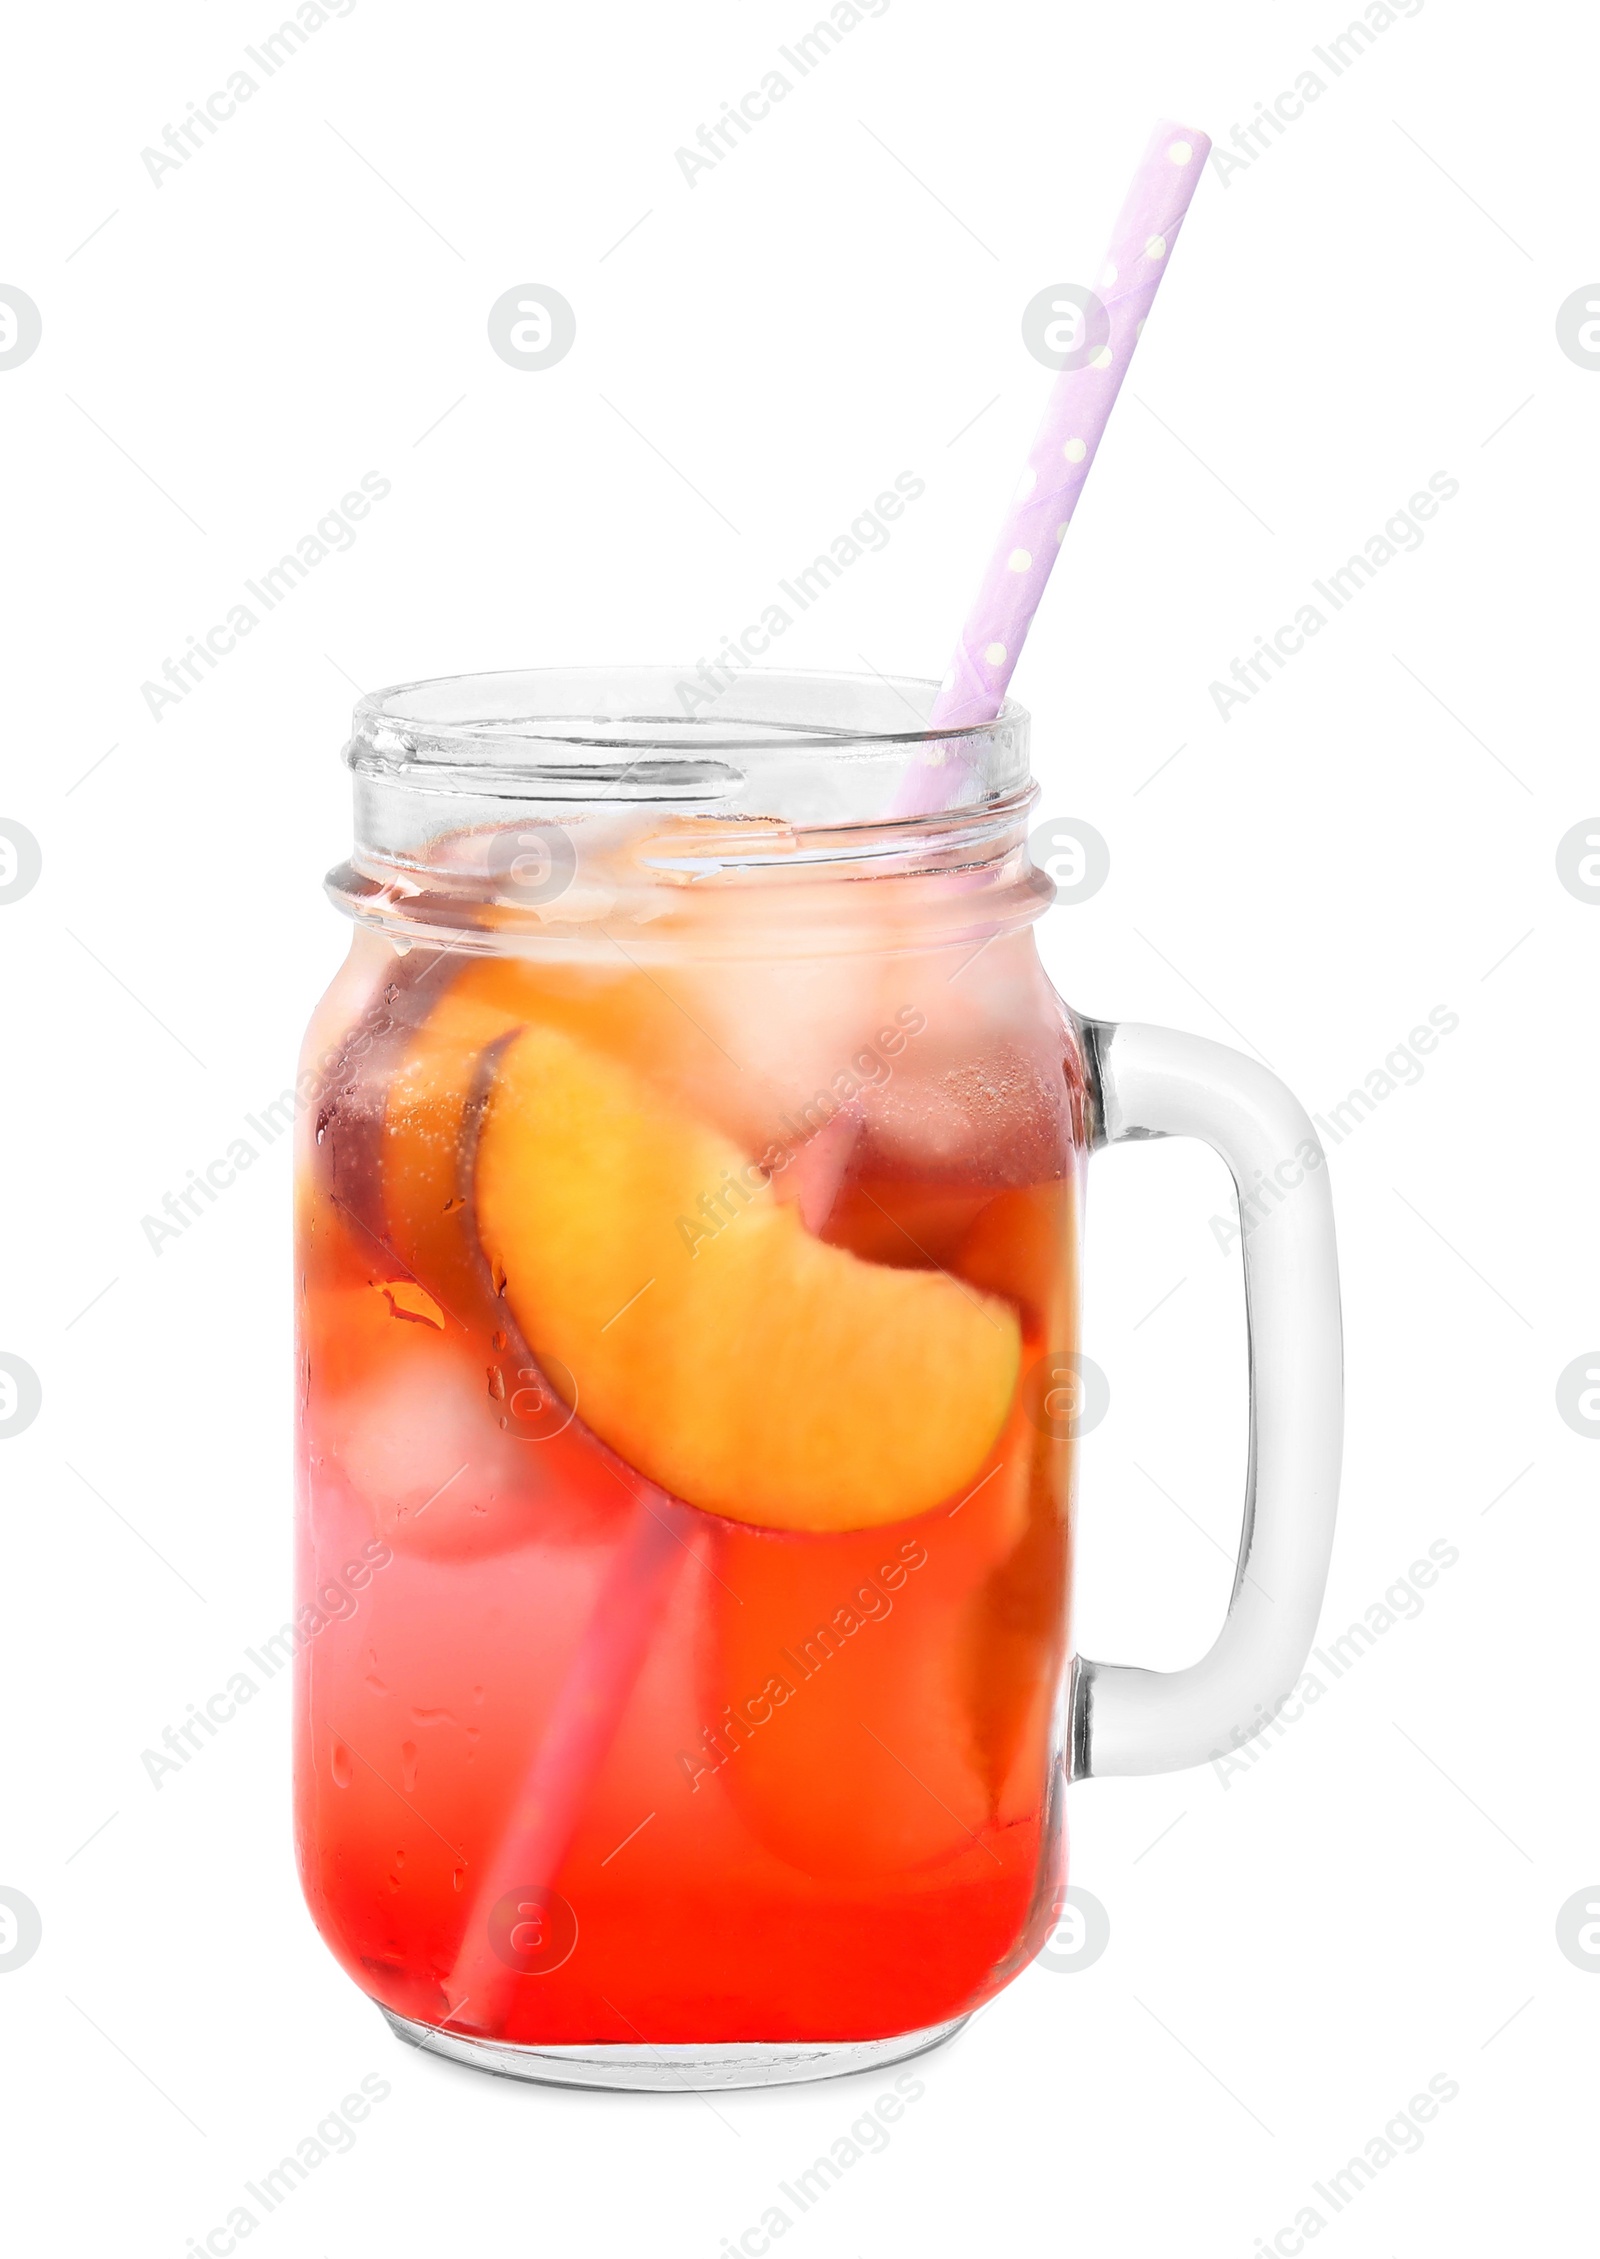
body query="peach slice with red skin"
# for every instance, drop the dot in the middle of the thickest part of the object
(745, 1366)
(844, 1734)
(439, 1085)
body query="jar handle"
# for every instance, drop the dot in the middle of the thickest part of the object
(1153, 1082)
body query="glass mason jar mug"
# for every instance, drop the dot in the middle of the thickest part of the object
(688, 1218)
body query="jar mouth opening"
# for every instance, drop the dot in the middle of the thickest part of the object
(809, 748)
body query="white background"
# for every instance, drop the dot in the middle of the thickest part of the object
(1373, 299)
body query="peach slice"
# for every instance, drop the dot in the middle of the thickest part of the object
(1023, 1243)
(438, 1087)
(715, 1344)
(850, 1650)
(428, 1122)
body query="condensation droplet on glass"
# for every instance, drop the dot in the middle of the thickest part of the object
(408, 1766)
(340, 1766)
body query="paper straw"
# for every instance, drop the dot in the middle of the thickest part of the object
(588, 1710)
(589, 1706)
(1062, 456)
(539, 1832)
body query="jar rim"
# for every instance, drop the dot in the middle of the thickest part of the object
(760, 741)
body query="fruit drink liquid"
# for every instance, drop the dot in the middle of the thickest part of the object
(743, 1204)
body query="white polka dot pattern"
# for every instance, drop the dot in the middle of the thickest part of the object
(1064, 447)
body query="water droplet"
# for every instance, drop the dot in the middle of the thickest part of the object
(341, 1768)
(408, 1300)
(408, 1766)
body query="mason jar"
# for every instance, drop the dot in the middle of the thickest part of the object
(689, 1207)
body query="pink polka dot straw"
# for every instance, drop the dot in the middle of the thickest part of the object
(1062, 456)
